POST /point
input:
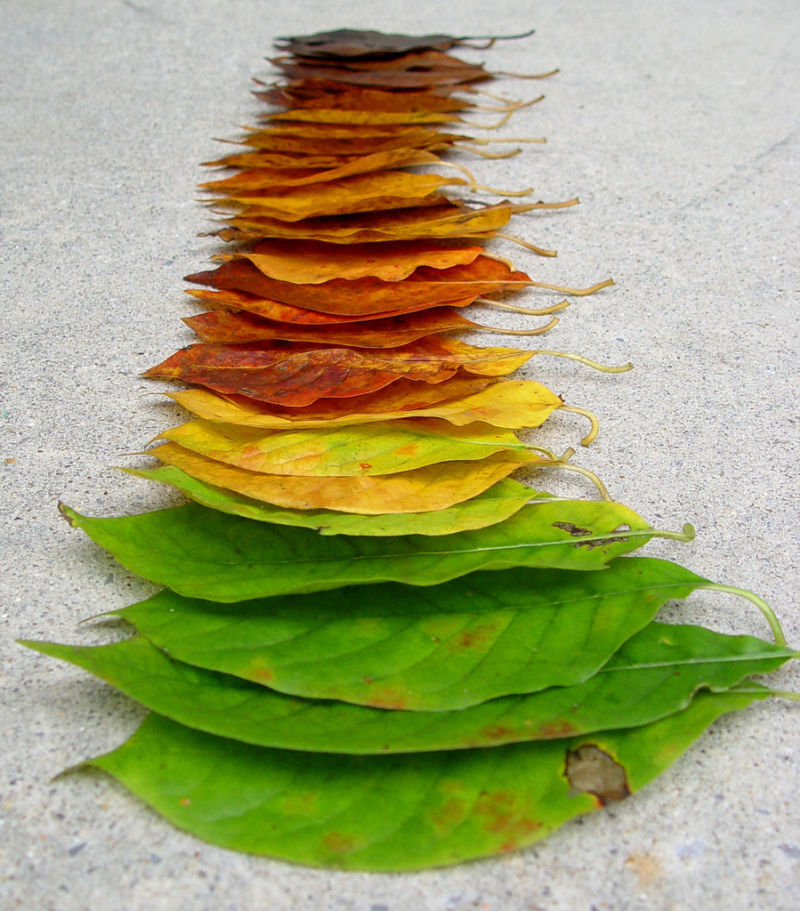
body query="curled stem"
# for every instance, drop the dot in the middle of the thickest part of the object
(546, 75)
(591, 417)
(603, 368)
(473, 91)
(575, 292)
(540, 331)
(483, 154)
(499, 259)
(530, 206)
(760, 603)
(542, 311)
(485, 142)
(480, 186)
(524, 243)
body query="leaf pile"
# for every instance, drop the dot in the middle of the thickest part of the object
(375, 650)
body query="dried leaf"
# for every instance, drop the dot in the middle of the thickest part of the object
(512, 404)
(436, 486)
(312, 262)
(362, 193)
(241, 328)
(295, 375)
(424, 288)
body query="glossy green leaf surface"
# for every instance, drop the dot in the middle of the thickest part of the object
(654, 674)
(204, 553)
(488, 508)
(401, 812)
(429, 649)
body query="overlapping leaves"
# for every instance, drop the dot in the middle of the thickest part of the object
(357, 574)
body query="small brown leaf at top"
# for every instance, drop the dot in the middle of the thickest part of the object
(591, 770)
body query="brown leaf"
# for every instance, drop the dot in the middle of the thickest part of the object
(424, 288)
(297, 375)
(322, 92)
(240, 328)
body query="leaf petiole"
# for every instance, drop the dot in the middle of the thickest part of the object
(759, 602)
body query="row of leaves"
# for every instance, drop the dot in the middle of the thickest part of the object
(337, 673)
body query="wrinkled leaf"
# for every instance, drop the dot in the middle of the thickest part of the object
(242, 328)
(431, 649)
(294, 375)
(323, 92)
(389, 812)
(487, 508)
(374, 449)
(424, 288)
(654, 674)
(390, 79)
(202, 553)
(313, 262)
(420, 490)
(350, 43)
(513, 404)
(362, 193)
(263, 178)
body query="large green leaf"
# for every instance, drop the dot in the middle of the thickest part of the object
(488, 508)
(653, 675)
(204, 553)
(394, 812)
(429, 649)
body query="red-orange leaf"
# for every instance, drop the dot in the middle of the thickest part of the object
(297, 375)
(314, 262)
(239, 328)
(424, 288)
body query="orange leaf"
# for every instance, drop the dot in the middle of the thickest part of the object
(312, 262)
(422, 490)
(424, 288)
(239, 328)
(297, 375)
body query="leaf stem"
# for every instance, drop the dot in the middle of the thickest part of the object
(624, 368)
(760, 603)
(543, 311)
(591, 417)
(524, 243)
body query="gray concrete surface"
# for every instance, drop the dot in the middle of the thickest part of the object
(677, 125)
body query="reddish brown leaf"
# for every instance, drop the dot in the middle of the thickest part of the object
(424, 288)
(297, 375)
(240, 328)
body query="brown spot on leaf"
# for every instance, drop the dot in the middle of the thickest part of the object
(449, 814)
(388, 697)
(591, 770)
(496, 732)
(185, 801)
(572, 529)
(338, 842)
(476, 637)
(502, 814)
(262, 674)
(552, 730)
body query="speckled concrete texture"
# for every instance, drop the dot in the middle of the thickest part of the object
(676, 125)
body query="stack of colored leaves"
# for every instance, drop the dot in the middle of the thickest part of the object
(375, 650)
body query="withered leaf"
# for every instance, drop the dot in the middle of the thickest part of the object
(322, 92)
(422, 490)
(313, 262)
(353, 43)
(242, 328)
(424, 288)
(394, 79)
(296, 375)
(512, 404)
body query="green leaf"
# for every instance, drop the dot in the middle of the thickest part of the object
(429, 649)
(488, 508)
(653, 675)
(207, 554)
(402, 812)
